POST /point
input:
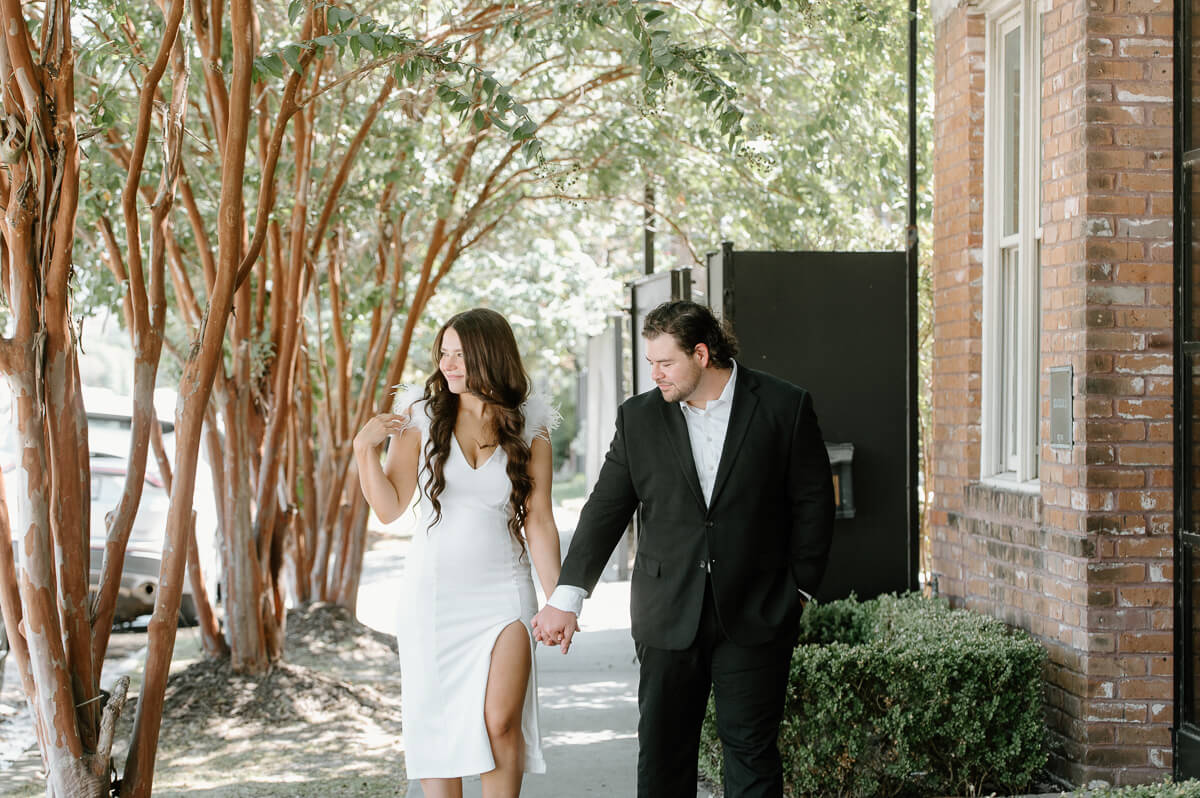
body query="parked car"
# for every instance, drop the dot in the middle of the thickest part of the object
(109, 430)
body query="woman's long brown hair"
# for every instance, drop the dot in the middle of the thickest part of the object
(496, 375)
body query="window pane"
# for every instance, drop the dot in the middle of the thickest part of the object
(1009, 358)
(1036, 125)
(1035, 387)
(1011, 129)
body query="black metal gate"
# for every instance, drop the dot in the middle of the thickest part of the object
(1187, 411)
(837, 323)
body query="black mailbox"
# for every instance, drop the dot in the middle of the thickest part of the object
(841, 459)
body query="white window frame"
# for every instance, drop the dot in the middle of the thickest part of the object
(1009, 445)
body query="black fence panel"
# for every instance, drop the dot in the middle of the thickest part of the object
(836, 324)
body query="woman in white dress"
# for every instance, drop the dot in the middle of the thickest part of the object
(476, 447)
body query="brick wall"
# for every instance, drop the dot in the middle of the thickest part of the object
(1123, 463)
(1085, 563)
(957, 284)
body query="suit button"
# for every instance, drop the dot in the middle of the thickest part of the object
(708, 524)
(704, 565)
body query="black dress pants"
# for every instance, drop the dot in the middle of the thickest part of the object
(748, 685)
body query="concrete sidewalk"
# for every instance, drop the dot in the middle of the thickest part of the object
(588, 698)
(588, 704)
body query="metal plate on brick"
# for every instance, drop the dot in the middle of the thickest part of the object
(1061, 412)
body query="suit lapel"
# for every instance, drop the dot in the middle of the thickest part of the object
(745, 401)
(681, 445)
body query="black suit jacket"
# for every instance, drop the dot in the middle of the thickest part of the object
(765, 533)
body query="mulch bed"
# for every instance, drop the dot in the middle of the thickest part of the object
(228, 734)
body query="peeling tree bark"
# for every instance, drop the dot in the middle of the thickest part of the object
(44, 589)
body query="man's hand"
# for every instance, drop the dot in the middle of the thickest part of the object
(555, 627)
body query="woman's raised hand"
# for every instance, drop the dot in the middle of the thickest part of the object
(376, 431)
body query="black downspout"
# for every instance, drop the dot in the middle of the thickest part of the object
(911, 249)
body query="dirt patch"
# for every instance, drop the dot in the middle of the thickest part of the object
(325, 722)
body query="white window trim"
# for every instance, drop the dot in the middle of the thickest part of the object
(1000, 16)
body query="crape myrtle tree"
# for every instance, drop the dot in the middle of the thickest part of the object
(44, 589)
(249, 163)
(452, 152)
(444, 194)
(442, 189)
(57, 634)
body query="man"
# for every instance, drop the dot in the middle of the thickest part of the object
(732, 477)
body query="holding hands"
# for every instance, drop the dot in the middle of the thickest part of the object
(555, 627)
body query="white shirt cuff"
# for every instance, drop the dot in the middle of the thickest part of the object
(567, 598)
(805, 593)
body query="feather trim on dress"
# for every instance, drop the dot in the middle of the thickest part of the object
(541, 417)
(408, 401)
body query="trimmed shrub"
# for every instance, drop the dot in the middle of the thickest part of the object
(902, 696)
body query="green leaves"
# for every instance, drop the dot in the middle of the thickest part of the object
(664, 60)
(454, 98)
(339, 19)
(360, 34)
(485, 101)
(525, 130)
(468, 90)
(291, 54)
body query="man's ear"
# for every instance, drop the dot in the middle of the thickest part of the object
(702, 351)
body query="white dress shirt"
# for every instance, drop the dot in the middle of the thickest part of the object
(706, 431)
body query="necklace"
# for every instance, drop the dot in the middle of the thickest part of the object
(483, 427)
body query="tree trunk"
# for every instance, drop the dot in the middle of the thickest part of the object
(44, 590)
(195, 388)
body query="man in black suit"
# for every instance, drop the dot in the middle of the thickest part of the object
(734, 484)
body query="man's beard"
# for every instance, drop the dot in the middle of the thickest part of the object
(682, 391)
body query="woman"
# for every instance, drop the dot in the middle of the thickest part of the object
(476, 447)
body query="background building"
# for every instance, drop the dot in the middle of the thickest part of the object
(1055, 361)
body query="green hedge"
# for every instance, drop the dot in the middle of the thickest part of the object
(902, 696)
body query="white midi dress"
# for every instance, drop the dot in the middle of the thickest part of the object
(465, 580)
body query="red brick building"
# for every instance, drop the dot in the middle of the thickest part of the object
(1056, 362)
